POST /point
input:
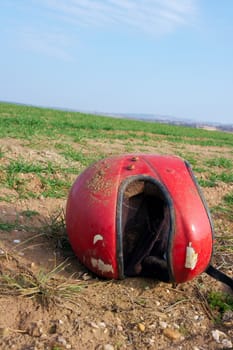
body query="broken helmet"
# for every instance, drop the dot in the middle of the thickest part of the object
(141, 215)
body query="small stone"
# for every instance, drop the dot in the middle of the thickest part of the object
(43, 336)
(152, 326)
(175, 325)
(228, 318)
(108, 347)
(151, 341)
(163, 324)
(172, 334)
(61, 340)
(101, 325)
(227, 344)
(216, 334)
(86, 277)
(16, 241)
(4, 331)
(141, 327)
(94, 325)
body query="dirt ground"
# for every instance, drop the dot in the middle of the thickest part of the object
(135, 313)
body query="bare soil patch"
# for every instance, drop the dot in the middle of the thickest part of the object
(135, 313)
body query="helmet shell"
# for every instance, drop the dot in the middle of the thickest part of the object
(93, 214)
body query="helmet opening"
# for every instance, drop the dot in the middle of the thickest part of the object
(145, 227)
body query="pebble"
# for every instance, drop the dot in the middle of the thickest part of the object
(61, 340)
(16, 241)
(101, 325)
(108, 347)
(216, 334)
(163, 324)
(119, 328)
(172, 334)
(221, 337)
(228, 318)
(94, 325)
(227, 344)
(86, 277)
(43, 336)
(141, 327)
(4, 331)
(175, 325)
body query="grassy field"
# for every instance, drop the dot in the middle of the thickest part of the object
(42, 151)
(63, 131)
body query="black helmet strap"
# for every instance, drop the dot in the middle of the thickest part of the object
(220, 276)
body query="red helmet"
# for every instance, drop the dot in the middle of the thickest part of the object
(143, 215)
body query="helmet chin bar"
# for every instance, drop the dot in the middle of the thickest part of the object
(145, 228)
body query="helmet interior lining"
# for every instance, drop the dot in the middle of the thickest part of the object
(145, 228)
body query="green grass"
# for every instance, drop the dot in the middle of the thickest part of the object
(38, 127)
(220, 162)
(214, 178)
(29, 213)
(49, 175)
(220, 303)
(71, 154)
(1, 153)
(228, 199)
(27, 122)
(226, 208)
(21, 166)
(8, 226)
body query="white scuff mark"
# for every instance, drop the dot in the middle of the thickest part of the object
(191, 257)
(97, 238)
(193, 228)
(101, 266)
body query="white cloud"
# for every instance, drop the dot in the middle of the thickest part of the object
(48, 34)
(154, 16)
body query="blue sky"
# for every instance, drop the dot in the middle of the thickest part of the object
(166, 57)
